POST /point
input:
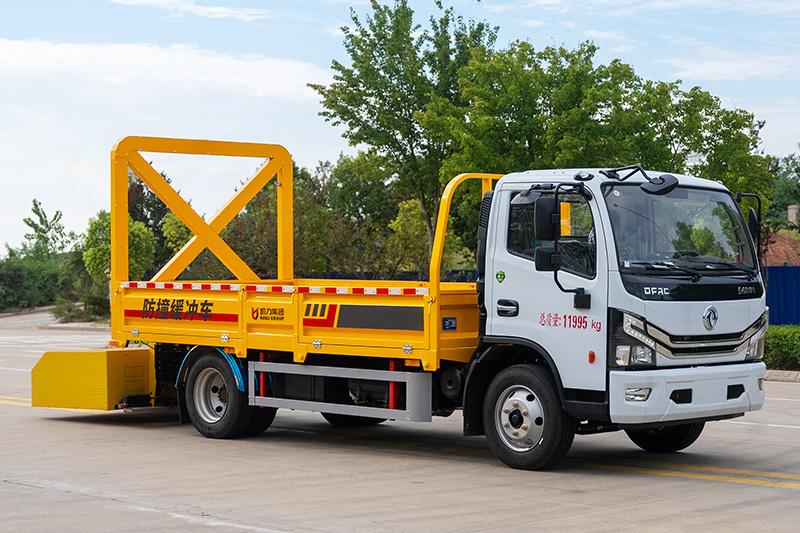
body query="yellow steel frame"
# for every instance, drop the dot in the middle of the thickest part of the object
(434, 273)
(126, 154)
(246, 332)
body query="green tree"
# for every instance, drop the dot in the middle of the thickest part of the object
(27, 281)
(145, 207)
(81, 297)
(31, 275)
(411, 252)
(786, 188)
(555, 108)
(175, 232)
(357, 188)
(530, 109)
(396, 69)
(729, 152)
(97, 250)
(253, 233)
(47, 237)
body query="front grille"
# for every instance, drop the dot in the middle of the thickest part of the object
(727, 344)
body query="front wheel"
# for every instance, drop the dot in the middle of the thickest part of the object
(666, 439)
(216, 407)
(523, 419)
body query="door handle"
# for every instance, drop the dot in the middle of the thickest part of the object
(507, 308)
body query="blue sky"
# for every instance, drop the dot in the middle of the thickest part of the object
(76, 75)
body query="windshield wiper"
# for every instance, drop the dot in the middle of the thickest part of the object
(714, 263)
(665, 266)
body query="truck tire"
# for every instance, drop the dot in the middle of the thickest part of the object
(666, 439)
(351, 421)
(216, 407)
(261, 420)
(523, 419)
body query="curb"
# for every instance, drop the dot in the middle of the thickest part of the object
(80, 326)
(783, 375)
(30, 311)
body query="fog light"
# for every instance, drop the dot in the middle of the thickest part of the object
(642, 355)
(623, 355)
(637, 395)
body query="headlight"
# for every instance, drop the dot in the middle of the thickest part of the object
(631, 345)
(635, 328)
(755, 347)
(642, 355)
(635, 354)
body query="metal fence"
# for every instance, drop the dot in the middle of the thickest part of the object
(783, 294)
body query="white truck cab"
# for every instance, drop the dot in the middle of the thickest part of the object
(639, 293)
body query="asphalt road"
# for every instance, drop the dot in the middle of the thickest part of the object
(80, 471)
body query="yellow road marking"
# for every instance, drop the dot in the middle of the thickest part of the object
(724, 470)
(26, 402)
(6, 402)
(692, 475)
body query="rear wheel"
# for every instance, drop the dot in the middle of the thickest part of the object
(666, 439)
(261, 420)
(216, 407)
(523, 419)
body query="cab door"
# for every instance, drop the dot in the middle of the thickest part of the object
(525, 303)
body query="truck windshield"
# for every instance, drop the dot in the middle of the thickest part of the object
(693, 232)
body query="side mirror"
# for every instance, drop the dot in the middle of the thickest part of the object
(753, 219)
(526, 197)
(544, 228)
(753, 224)
(546, 260)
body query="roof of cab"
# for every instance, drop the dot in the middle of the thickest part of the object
(567, 176)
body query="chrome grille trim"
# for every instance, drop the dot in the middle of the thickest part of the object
(732, 345)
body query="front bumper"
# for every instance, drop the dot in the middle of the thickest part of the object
(713, 393)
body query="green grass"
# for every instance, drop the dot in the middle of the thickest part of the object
(794, 235)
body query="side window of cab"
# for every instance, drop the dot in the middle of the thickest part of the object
(576, 245)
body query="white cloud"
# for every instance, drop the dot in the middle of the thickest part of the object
(605, 35)
(120, 67)
(711, 63)
(64, 106)
(532, 23)
(780, 131)
(334, 30)
(188, 7)
(499, 8)
(618, 8)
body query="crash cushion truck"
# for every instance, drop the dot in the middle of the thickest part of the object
(606, 299)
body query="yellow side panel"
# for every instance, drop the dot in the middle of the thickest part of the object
(270, 321)
(458, 331)
(91, 380)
